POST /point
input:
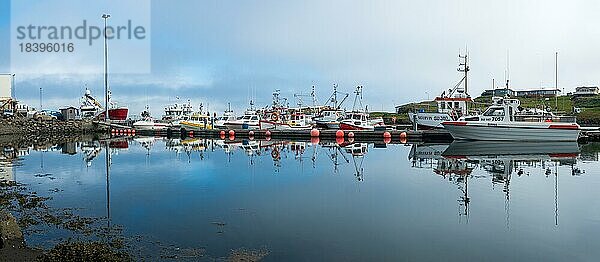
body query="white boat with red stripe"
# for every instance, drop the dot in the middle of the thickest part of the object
(504, 121)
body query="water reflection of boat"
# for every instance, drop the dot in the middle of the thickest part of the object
(423, 155)
(466, 149)
(358, 152)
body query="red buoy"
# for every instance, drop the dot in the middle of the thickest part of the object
(231, 133)
(387, 134)
(251, 133)
(387, 140)
(315, 132)
(267, 133)
(314, 140)
(351, 134)
(339, 140)
(231, 137)
(191, 134)
(222, 133)
(339, 133)
(403, 138)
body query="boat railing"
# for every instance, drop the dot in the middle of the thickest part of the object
(533, 118)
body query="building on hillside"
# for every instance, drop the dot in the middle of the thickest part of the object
(586, 91)
(499, 92)
(538, 93)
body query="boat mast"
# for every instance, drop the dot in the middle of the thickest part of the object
(464, 67)
(105, 17)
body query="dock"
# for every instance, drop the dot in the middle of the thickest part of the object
(360, 135)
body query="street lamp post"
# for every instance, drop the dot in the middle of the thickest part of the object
(105, 17)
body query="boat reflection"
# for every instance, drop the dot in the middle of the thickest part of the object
(497, 161)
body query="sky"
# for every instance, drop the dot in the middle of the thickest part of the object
(219, 52)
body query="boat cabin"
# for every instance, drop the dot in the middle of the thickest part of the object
(358, 117)
(452, 105)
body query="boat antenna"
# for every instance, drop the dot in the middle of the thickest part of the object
(556, 78)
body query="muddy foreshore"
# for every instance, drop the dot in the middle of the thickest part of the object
(24, 212)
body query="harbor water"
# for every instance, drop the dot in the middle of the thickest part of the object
(206, 199)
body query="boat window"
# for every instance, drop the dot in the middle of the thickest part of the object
(497, 111)
(255, 118)
(357, 117)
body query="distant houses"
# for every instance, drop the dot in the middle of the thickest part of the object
(586, 91)
(522, 93)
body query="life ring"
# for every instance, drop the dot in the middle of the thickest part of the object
(275, 154)
(275, 117)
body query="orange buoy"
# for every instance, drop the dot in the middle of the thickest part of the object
(351, 139)
(339, 140)
(315, 132)
(231, 137)
(339, 133)
(133, 132)
(267, 133)
(351, 134)
(387, 134)
(222, 133)
(315, 140)
(387, 140)
(403, 138)
(231, 133)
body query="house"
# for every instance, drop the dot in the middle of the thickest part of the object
(499, 92)
(586, 91)
(538, 93)
(69, 113)
(7, 102)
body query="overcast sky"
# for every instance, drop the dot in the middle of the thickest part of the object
(217, 52)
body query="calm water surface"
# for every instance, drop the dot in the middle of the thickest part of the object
(349, 202)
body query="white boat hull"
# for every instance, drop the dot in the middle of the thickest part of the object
(429, 120)
(149, 125)
(282, 126)
(241, 125)
(513, 131)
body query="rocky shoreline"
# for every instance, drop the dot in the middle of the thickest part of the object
(25, 126)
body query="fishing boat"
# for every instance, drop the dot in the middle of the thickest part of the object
(450, 105)
(116, 112)
(197, 121)
(177, 111)
(149, 123)
(90, 108)
(331, 115)
(504, 121)
(250, 120)
(220, 121)
(295, 121)
(330, 118)
(357, 120)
